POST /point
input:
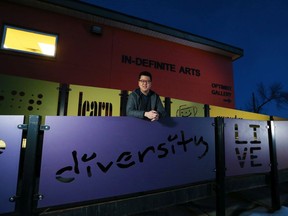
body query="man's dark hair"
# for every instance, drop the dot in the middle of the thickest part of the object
(145, 73)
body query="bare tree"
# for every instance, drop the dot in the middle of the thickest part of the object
(267, 94)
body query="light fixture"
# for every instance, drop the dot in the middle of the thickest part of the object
(96, 30)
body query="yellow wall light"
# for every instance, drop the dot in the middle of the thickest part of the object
(24, 40)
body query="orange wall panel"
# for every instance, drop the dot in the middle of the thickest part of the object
(83, 58)
(190, 74)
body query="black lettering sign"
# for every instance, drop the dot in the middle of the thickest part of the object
(243, 148)
(125, 159)
(223, 91)
(93, 108)
(159, 65)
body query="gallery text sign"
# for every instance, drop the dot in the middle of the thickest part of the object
(10, 146)
(88, 158)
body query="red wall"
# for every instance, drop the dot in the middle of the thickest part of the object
(87, 59)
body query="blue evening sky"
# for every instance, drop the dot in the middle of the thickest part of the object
(259, 27)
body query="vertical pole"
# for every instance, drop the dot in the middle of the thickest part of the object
(206, 110)
(274, 178)
(167, 105)
(220, 167)
(63, 99)
(254, 103)
(27, 202)
(123, 102)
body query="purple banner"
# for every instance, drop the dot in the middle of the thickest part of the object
(88, 158)
(281, 138)
(10, 146)
(246, 147)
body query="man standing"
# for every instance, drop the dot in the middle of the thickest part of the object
(143, 102)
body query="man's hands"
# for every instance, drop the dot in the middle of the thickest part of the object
(152, 115)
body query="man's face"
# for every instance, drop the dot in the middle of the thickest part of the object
(144, 84)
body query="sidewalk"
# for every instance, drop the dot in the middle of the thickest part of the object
(252, 202)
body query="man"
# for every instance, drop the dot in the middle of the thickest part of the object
(143, 102)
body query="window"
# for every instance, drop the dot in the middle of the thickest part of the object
(28, 41)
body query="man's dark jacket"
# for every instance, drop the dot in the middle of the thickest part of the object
(133, 107)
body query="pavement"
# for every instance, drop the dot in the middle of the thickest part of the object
(260, 211)
(252, 202)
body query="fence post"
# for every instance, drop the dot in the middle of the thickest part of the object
(123, 102)
(27, 199)
(206, 110)
(63, 99)
(220, 167)
(274, 178)
(167, 105)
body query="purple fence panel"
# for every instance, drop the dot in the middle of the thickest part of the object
(281, 138)
(246, 147)
(10, 146)
(88, 158)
